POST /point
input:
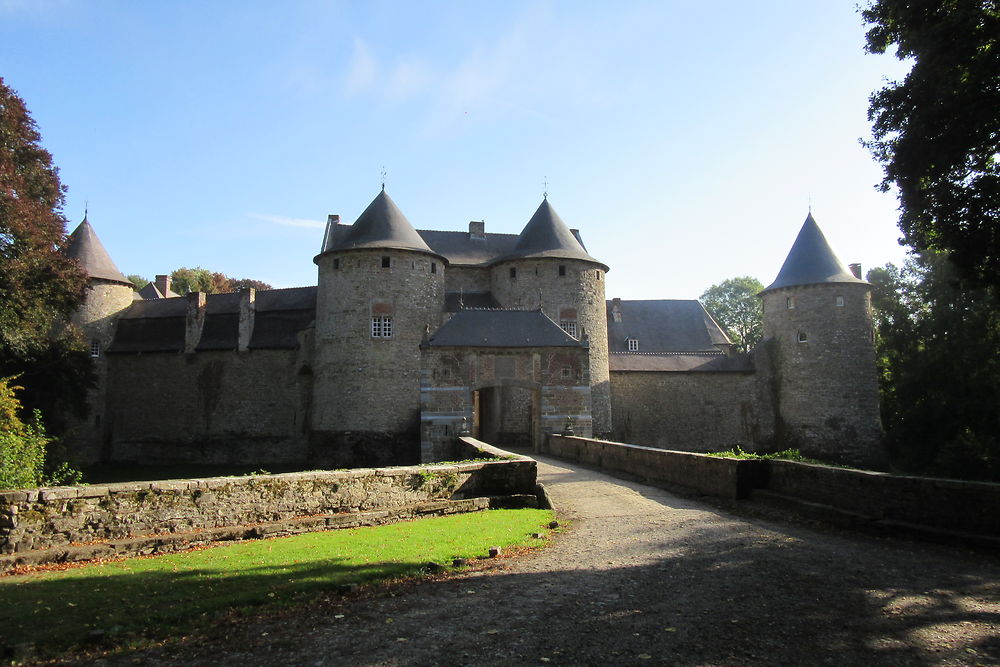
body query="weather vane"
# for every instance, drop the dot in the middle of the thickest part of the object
(545, 184)
(383, 177)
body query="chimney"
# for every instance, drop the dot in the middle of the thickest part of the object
(616, 309)
(477, 230)
(248, 305)
(195, 320)
(162, 284)
(333, 219)
(856, 270)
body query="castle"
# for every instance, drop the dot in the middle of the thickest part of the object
(412, 337)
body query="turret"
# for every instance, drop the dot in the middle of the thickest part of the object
(109, 293)
(549, 268)
(381, 288)
(818, 355)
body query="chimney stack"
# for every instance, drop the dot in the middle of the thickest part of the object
(162, 284)
(477, 230)
(856, 270)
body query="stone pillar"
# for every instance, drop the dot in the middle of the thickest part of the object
(248, 298)
(195, 320)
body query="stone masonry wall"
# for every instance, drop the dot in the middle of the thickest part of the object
(48, 518)
(209, 407)
(818, 360)
(580, 293)
(467, 279)
(695, 412)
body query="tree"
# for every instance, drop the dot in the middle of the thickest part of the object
(39, 286)
(734, 303)
(137, 281)
(185, 280)
(240, 284)
(937, 133)
(937, 340)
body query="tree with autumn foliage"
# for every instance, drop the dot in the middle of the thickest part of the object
(39, 285)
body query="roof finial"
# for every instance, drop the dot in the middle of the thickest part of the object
(545, 184)
(810, 203)
(383, 178)
(86, 208)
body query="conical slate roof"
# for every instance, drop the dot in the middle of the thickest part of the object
(546, 235)
(811, 261)
(86, 248)
(381, 225)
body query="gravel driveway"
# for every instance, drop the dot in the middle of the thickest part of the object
(643, 577)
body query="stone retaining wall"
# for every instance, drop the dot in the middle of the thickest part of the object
(55, 518)
(726, 478)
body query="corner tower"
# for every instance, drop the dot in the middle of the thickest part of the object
(549, 268)
(109, 293)
(381, 288)
(820, 355)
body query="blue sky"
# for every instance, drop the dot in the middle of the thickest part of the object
(684, 139)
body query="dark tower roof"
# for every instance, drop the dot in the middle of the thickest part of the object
(811, 261)
(381, 225)
(86, 248)
(546, 235)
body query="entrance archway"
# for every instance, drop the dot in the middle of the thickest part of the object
(506, 415)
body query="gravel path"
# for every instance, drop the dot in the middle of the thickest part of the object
(643, 577)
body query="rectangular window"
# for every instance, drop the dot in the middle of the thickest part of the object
(633, 344)
(840, 301)
(790, 302)
(434, 267)
(513, 273)
(569, 326)
(95, 348)
(336, 264)
(562, 269)
(803, 337)
(382, 326)
(385, 262)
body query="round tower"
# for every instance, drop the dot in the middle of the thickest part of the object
(109, 293)
(549, 268)
(381, 288)
(819, 355)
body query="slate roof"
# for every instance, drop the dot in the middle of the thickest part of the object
(456, 301)
(546, 235)
(151, 291)
(501, 328)
(381, 225)
(86, 248)
(668, 325)
(680, 362)
(464, 250)
(811, 261)
(158, 325)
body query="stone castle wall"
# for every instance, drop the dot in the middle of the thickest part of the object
(209, 407)
(697, 411)
(366, 399)
(819, 366)
(577, 294)
(467, 279)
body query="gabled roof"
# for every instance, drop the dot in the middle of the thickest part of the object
(811, 261)
(546, 235)
(667, 325)
(151, 291)
(381, 225)
(462, 249)
(501, 328)
(86, 248)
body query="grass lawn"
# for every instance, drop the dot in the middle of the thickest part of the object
(126, 602)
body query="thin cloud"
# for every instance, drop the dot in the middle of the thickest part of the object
(362, 69)
(290, 222)
(408, 78)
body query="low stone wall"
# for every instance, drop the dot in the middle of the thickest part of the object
(946, 504)
(55, 518)
(725, 478)
(923, 505)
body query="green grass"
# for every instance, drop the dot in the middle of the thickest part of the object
(785, 455)
(128, 602)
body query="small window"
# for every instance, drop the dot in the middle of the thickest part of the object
(803, 338)
(434, 267)
(840, 301)
(567, 372)
(598, 276)
(336, 264)
(385, 262)
(562, 269)
(633, 344)
(790, 302)
(569, 326)
(382, 326)
(513, 273)
(95, 348)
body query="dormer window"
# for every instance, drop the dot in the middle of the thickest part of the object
(633, 344)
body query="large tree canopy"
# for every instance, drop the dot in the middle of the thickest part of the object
(39, 285)
(937, 132)
(734, 303)
(937, 342)
(184, 280)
